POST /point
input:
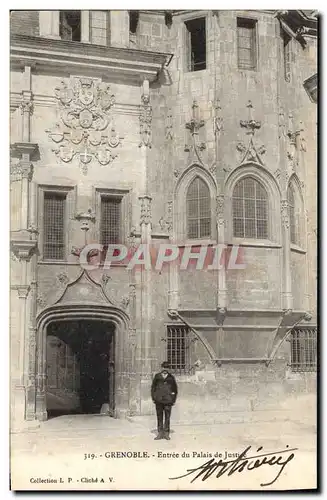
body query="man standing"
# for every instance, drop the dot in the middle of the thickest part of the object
(164, 394)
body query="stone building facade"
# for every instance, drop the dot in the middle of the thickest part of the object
(186, 128)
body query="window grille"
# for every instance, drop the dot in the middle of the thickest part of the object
(178, 348)
(246, 43)
(198, 210)
(250, 209)
(291, 208)
(110, 220)
(99, 27)
(304, 350)
(196, 44)
(54, 226)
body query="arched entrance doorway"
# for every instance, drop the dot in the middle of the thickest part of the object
(90, 333)
(80, 360)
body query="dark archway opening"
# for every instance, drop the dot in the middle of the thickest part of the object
(80, 367)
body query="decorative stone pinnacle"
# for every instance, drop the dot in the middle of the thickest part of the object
(217, 119)
(195, 123)
(251, 124)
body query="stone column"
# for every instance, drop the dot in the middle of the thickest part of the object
(26, 108)
(220, 205)
(305, 228)
(171, 222)
(23, 244)
(287, 302)
(146, 351)
(40, 382)
(132, 345)
(221, 273)
(221, 224)
(49, 23)
(145, 224)
(85, 26)
(23, 291)
(287, 297)
(26, 365)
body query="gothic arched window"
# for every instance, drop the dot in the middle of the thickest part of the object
(198, 210)
(250, 209)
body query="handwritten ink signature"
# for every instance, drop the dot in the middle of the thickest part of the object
(241, 463)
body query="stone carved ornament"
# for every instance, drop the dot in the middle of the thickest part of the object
(284, 209)
(169, 125)
(195, 147)
(62, 278)
(145, 216)
(86, 129)
(146, 117)
(295, 141)
(250, 152)
(21, 170)
(194, 126)
(220, 209)
(166, 223)
(217, 119)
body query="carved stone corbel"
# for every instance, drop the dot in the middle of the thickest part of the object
(23, 249)
(23, 291)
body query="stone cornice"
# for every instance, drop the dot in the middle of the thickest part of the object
(50, 55)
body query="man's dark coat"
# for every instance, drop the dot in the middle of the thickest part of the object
(164, 390)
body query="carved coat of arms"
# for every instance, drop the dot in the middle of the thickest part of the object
(86, 129)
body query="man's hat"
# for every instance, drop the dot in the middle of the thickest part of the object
(165, 364)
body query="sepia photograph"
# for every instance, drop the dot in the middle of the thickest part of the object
(163, 250)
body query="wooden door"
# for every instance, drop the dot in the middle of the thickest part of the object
(63, 376)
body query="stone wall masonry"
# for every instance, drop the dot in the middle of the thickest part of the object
(298, 280)
(259, 284)
(24, 22)
(236, 391)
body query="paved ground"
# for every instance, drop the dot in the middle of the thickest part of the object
(78, 450)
